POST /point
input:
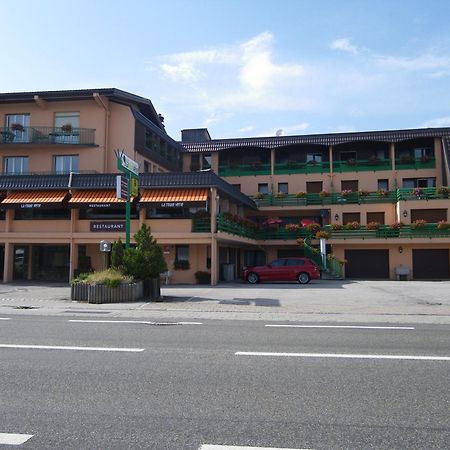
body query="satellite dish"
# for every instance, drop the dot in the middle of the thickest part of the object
(279, 132)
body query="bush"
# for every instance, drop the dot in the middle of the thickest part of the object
(322, 235)
(336, 226)
(442, 225)
(420, 223)
(355, 225)
(117, 255)
(109, 277)
(313, 227)
(146, 260)
(373, 225)
(203, 277)
(300, 194)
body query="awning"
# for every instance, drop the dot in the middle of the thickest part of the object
(34, 199)
(95, 198)
(168, 198)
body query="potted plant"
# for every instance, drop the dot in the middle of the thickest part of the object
(300, 241)
(418, 224)
(324, 194)
(355, 225)
(382, 193)
(363, 193)
(313, 227)
(346, 192)
(66, 128)
(290, 227)
(300, 194)
(17, 127)
(443, 225)
(322, 235)
(258, 196)
(396, 225)
(336, 226)
(443, 190)
(281, 195)
(373, 225)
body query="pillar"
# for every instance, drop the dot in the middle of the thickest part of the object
(8, 266)
(214, 261)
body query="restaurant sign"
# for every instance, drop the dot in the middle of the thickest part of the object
(30, 205)
(108, 226)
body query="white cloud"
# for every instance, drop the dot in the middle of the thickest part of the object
(438, 122)
(344, 45)
(425, 62)
(246, 129)
(285, 130)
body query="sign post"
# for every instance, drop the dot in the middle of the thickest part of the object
(130, 169)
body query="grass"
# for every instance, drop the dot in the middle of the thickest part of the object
(110, 277)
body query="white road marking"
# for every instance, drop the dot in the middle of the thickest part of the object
(145, 322)
(5, 318)
(60, 347)
(347, 355)
(358, 327)
(239, 447)
(14, 439)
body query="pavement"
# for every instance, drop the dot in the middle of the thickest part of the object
(319, 301)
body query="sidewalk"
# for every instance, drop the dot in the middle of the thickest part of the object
(324, 300)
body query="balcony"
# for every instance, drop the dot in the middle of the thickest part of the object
(48, 135)
(423, 193)
(244, 170)
(362, 165)
(406, 163)
(292, 167)
(331, 199)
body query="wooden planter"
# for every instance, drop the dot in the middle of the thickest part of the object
(100, 293)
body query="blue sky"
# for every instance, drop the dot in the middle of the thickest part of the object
(246, 67)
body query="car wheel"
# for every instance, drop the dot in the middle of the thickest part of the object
(303, 278)
(252, 278)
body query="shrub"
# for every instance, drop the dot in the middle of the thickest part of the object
(300, 194)
(324, 194)
(395, 225)
(313, 227)
(443, 225)
(336, 226)
(382, 193)
(292, 227)
(322, 235)
(363, 193)
(420, 223)
(146, 260)
(442, 190)
(355, 225)
(259, 196)
(117, 255)
(281, 195)
(109, 277)
(203, 277)
(346, 192)
(373, 225)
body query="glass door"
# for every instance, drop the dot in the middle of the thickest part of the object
(20, 270)
(18, 125)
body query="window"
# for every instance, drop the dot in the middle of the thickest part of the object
(65, 163)
(277, 263)
(375, 217)
(146, 167)
(283, 188)
(42, 214)
(419, 182)
(383, 184)
(182, 253)
(313, 187)
(263, 188)
(112, 213)
(345, 156)
(314, 157)
(349, 185)
(422, 153)
(15, 165)
(18, 125)
(295, 262)
(67, 126)
(206, 161)
(350, 217)
(195, 163)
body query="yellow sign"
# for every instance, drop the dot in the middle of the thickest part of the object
(134, 187)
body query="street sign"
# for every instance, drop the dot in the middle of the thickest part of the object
(134, 191)
(126, 164)
(105, 246)
(122, 187)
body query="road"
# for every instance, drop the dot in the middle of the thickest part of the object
(213, 384)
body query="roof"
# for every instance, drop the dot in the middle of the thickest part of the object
(174, 195)
(48, 197)
(95, 196)
(108, 181)
(319, 139)
(114, 94)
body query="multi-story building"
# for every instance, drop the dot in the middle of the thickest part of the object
(213, 205)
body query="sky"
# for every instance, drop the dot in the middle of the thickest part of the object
(242, 68)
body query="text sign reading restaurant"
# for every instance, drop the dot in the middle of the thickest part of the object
(108, 226)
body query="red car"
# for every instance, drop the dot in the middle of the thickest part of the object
(284, 269)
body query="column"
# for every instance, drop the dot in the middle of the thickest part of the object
(272, 161)
(8, 263)
(214, 261)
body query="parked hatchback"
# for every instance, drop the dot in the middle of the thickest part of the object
(283, 269)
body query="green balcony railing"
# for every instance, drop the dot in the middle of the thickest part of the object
(48, 135)
(301, 167)
(422, 193)
(362, 165)
(202, 225)
(411, 163)
(244, 170)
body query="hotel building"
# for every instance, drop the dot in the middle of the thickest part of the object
(214, 205)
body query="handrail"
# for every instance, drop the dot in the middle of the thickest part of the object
(47, 135)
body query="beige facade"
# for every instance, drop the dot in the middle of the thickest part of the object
(102, 121)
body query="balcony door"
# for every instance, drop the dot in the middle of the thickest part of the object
(67, 128)
(18, 125)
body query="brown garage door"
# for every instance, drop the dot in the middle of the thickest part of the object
(431, 264)
(367, 264)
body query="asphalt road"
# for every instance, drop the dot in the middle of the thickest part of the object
(183, 386)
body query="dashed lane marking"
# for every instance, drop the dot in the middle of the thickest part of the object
(356, 327)
(5, 318)
(138, 322)
(14, 439)
(239, 447)
(60, 347)
(348, 355)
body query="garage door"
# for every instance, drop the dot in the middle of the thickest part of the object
(431, 264)
(367, 264)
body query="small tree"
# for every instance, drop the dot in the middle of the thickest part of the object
(117, 255)
(146, 260)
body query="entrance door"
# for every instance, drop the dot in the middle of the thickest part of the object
(20, 270)
(51, 263)
(431, 264)
(367, 264)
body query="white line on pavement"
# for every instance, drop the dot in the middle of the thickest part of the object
(238, 447)
(145, 322)
(14, 439)
(347, 355)
(358, 327)
(5, 318)
(60, 347)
